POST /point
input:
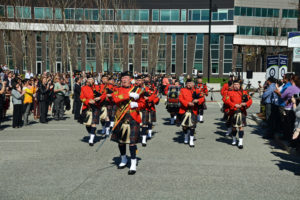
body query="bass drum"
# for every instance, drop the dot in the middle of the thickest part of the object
(173, 97)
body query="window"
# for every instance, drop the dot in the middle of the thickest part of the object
(162, 49)
(270, 12)
(198, 58)
(58, 13)
(70, 13)
(215, 49)
(23, 12)
(145, 44)
(155, 15)
(2, 11)
(205, 15)
(237, 11)
(289, 13)
(249, 12)
(43, 13)
(264, 12)
(132, 15)
(91, 14)
(10, 12)
(183, 15)
(257, 12)
(107, 14)
(228, 41)
(79, 14)
(243, 11)
(173, 54)
(169, 15)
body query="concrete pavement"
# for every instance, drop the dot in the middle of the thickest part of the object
(54, 161)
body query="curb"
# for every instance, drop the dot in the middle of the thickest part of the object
(283, 144)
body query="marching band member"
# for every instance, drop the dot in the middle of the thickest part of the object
(173, 103)
(129, 100)
(92, 97)
(190, 98)
(149, 111)
(238, 102)
(203, 89)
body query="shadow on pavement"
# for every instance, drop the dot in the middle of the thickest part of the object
(180, 137)
(291, 163)
(97, 139)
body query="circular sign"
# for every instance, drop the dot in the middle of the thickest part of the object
(282, 72)
(272, 72)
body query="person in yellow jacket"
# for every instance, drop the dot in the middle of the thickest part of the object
(29, 90)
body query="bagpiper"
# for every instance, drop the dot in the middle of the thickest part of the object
(105, 107)
(149, 112)
(173, 104)
(190, 98)
(129, 100)
(238, 101)
(92, 97)
(203, 89)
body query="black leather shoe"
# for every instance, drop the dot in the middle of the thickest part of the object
(201, 122)
(192, 146)
(144, 145)
(131, 172)
(240, 146)
(91, 144)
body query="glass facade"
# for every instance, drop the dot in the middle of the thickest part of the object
(23, 12)
(198, 59)
(91, 14)
(145, 45)
(259, 31)
(118, 52)
(256, 12)
(2, 11)
(10, 11)
(197, 15)
(185, 38)
(215, 52)
(173, 54)
(43, 13)
(91, 52)
(228, 41)
(132, 15)
(288, 13)
(162, 50)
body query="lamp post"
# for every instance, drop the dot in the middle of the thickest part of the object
(209, 35)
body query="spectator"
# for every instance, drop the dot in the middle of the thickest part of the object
(289, 119)
(270, 99)
(2, 98)
(29, 91)
(43, 95)
(59, 91)
(77, 102)
(17, 100)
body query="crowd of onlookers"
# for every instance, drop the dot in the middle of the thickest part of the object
(282, 110)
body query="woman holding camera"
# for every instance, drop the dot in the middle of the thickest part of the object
(43, 96)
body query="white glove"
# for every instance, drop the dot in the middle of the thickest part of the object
(134, 95)
(134, 105)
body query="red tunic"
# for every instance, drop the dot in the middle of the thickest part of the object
(235, 97)
(152, 99)
(122, 95)
(87, 94)
(224, 89)
(203, 88)
(185, 97)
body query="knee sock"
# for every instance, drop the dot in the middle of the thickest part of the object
(192, 132)
(241, 134)
(103, 123)
(107, 124)
(150, 126)
(233, 133)
(144, 130)
(122, 149)
(133, 151)
(88, 129)
(93, 130)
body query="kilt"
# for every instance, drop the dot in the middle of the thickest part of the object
(146, 115)
(194, 120)
(96, 115)
(134, 131)
(231, 120)
(172, 109)
(111, 111)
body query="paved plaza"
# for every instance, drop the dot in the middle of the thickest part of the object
(54, 161)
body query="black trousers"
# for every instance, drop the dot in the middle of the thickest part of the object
(43, 111)
(76, 109)
(17, 115)
(289, 124)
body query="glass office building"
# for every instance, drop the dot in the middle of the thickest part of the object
(155, 36)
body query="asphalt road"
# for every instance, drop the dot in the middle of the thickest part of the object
(54, 161)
